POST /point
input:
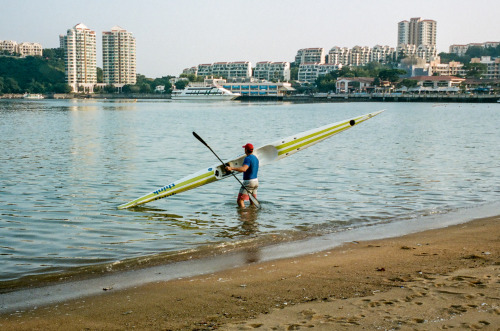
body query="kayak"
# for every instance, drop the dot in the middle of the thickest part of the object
(266, 154)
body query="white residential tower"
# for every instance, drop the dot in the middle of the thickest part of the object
(79, 46)
(119, 57)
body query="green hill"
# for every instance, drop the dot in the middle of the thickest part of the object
(33, 74)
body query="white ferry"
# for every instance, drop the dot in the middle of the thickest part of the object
(204, 93)
(32, 96)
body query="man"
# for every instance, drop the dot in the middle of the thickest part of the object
(250, 168)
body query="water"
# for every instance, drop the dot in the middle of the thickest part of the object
(67, 164)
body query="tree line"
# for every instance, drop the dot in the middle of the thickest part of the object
(380, 73)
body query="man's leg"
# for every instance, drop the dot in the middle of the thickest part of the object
(240, 202)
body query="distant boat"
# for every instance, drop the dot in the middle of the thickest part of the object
(32, 96)
(204, 93)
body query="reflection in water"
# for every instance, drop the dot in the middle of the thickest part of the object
(249, 226)
(248, 219)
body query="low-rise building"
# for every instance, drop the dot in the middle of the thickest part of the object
(338, 55)
(9, 46)
(452, 68)
(23, 49)
(310, 55)
(426, 52)
(224, 69)
(382, 54)
(253, 87)
(354, 84)
(190, 71)
(462, 49)
(205, 70)
(360, 55)
(30, 49)
(309, 72)
(437, 83)
(272, 71)
(492, 66)
(232, 69)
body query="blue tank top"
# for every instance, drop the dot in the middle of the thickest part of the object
(253, 167)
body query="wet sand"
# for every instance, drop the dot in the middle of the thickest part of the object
(436, 279)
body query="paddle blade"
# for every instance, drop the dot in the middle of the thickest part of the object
(254, 200)
(200, 139)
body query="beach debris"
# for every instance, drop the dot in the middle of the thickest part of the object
(380, 269)
(107, 288)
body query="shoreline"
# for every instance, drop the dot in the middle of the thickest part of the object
(29, 292)
(296, 290)
(320, 98)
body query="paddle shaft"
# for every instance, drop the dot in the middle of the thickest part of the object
(254, 200)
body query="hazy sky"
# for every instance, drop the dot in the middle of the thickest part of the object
(173, 35)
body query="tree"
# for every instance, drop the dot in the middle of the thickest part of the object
(164, 81)
(11, 86)
(109, 89)
(475, 51)
(99, 75)
(127, 89)
(475, 70)
(181, 84)
(62, 88)
(294, 73)
(53, 53)
(408, 83)
(448, 57)
(391, 75)
(326, 83)
(145, 88)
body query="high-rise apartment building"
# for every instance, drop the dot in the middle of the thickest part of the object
(119, 57)
(417, 32)
(79, 46)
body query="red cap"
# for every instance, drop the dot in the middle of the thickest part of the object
(248, 147)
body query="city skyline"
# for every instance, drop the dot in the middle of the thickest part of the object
(173, 35)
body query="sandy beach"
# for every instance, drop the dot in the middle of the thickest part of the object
(432, 280)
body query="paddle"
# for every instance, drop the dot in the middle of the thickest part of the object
(254, 200)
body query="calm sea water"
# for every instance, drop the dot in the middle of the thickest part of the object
(66, 165)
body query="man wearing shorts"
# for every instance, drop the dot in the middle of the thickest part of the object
(250, 168)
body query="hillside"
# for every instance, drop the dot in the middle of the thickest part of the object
(32, 74)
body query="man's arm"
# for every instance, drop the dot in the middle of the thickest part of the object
(243, 168)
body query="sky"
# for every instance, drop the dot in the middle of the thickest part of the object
(174, 35)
